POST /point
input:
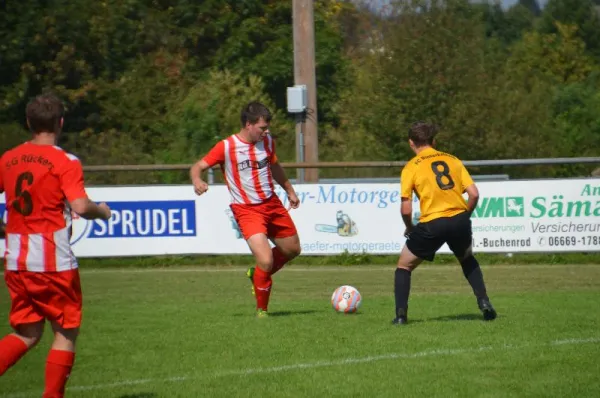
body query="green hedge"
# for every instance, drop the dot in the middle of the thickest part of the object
(345, 259)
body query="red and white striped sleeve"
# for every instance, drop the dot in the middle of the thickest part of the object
(216, 155)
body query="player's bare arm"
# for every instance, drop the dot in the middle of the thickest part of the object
(90, 210)
(282, 180)
(196, 171)
(473, 194)
(2, 226)
(406, 212)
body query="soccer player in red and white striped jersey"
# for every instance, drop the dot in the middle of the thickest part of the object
(43, 184)
(250, 165)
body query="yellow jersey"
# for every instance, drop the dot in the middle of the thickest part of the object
(439, 180)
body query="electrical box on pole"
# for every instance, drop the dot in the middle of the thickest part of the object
(297, 102)
(297, 99)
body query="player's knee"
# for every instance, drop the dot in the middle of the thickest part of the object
(30, 335)
(294, 251)
(469, 264)
(408, 260)
(34, 341)
(290, 247)
(465, 255)
(30, 342)
(70, 334)
(407, 264)
(66, 333)
(65, 339)
(265, 262)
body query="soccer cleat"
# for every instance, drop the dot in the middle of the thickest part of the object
(250, 275)
(400, 320)
(260, 313)
(489, 313)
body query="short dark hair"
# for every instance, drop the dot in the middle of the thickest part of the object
(422, 133)
(44, 113)
(254, 111)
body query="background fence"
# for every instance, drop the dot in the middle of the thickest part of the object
(498, 167)
(349, 215)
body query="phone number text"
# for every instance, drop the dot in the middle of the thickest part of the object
(569, 241)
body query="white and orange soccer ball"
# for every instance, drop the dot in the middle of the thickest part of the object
(346, 299)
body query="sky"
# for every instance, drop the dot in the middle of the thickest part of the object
(508, 3)
(505, 3)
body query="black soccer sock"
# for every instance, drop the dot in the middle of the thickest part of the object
(402, 290)
(473, 273)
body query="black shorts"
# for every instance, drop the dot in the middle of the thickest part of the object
(427, 238)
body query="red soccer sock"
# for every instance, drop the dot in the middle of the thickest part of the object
(262, 287)
(58, 369)
(12, 349)
(279, 260)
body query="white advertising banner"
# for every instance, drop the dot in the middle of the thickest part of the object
(512, 216)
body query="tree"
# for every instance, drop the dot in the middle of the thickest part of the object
(210, 112)
(539, 67)
(557, 58)
(260, 44)
(577, 122)
(119, 65)
(532, 6)
(580, 13)
(429, 65)
(506, 26)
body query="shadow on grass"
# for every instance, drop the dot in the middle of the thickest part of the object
(288, 313)
(459, 317)
(411, 321)
(283, 313)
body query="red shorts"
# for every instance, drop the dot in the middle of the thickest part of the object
(36, 296)
(269, 218)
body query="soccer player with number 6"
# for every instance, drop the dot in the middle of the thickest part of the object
(43, 184)
(439, 181)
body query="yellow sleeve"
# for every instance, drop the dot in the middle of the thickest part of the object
(407, 182)
(465, 177)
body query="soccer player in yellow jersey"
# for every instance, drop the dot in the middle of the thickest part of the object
(439, 180)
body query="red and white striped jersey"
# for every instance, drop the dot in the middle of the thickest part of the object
(247, 168)
(39, 181)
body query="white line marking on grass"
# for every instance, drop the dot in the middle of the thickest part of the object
(575, 341)
(319, 364)
(349, 361)
(316, 268)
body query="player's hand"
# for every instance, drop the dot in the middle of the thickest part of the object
(293, 199)
(105, 210)
(407, 231)
(200, 187)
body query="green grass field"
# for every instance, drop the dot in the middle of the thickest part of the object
(190, 332)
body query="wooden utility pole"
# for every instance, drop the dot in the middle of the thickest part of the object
(307, 139)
